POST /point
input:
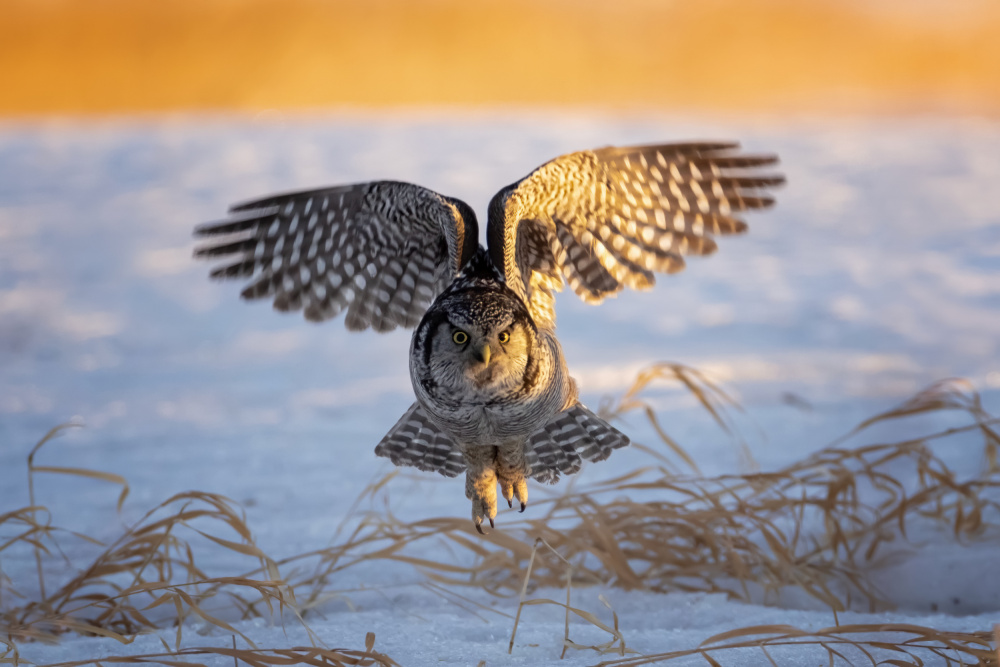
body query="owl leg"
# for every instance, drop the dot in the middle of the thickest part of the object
(512, 471)
(481, 483)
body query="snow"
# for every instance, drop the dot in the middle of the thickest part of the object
(877, 274)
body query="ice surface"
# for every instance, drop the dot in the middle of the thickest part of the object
(877, 274)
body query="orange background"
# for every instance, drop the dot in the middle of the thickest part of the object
(124, 56)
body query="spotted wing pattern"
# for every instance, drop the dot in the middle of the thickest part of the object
(573, 436)
(382, 250)
(610, 218)
(415, 441)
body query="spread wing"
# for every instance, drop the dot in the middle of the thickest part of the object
(611, 218)
(382, 250)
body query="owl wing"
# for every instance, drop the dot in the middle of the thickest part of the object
(415, 441)
(382, 250)
(571, 437)
(610, 218)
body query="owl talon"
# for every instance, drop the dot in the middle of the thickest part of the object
(481, 489)
(506, 489)
(524, 506)
(478, 522)
(481, 511)
(512, 472)
(521, 492)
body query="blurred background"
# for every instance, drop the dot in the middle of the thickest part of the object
(764, 56)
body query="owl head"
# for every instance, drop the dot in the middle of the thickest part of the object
(477, 334)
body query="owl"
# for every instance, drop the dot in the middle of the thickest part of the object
(494, 398)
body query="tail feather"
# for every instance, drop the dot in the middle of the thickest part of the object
(573, 436)
(415, 441)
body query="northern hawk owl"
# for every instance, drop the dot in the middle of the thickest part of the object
(494, 396)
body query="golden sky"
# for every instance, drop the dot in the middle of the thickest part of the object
(815, 56)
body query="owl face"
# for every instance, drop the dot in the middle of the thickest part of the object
(487, 353)
(477, 340)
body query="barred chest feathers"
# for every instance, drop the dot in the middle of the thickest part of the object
(482, 371)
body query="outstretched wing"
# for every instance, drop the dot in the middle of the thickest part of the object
(610, 218)
(382, 250)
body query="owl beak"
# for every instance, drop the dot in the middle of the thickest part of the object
(483, 355)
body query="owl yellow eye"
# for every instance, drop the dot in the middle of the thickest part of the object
(503, 337)
(460, 337)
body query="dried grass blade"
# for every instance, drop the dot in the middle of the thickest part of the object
(91, 474)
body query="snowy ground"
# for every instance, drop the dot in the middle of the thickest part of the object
(877, 274)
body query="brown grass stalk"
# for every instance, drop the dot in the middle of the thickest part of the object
(255, 657)
(617, 642)
(896, 644)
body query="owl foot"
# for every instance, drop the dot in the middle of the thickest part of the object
(481, 489)
(512, 472)
(512, 486)
(484, 506)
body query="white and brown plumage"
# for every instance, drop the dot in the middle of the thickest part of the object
(494, 396)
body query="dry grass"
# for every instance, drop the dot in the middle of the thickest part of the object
(818, 527)
(907, 645)
(617, 642)
(255, 657)
(149, 578)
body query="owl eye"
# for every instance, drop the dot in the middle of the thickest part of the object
(503, 337)
(460, 337)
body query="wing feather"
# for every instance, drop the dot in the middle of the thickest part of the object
(611, 218)
(381, 250)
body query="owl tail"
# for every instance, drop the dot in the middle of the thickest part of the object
(415, 441)
(571, 437)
